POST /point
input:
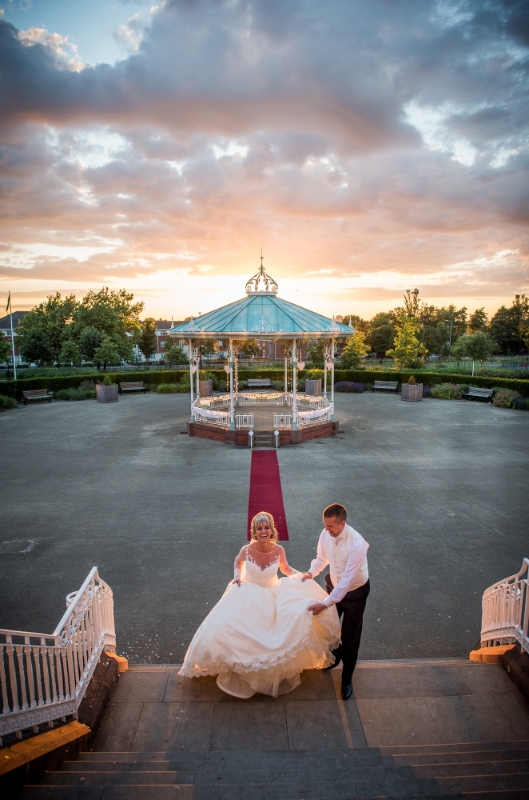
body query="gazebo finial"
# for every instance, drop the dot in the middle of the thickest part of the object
(254, 284)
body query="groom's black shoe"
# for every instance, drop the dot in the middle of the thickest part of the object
(347, 690)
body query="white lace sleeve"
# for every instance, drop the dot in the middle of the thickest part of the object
(284, 566)
(239, 561)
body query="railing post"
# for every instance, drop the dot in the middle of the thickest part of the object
(276, 439)
(250, 439)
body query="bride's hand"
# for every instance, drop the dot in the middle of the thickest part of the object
(236, 582)
(306, 576)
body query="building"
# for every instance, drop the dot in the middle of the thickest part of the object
(5, 329)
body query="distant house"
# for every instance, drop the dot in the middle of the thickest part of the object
(5, 329)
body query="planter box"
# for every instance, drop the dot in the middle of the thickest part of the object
(412, 392)
(313, 387)
(107, 394)
(205, 388)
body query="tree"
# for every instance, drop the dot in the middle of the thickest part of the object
(407, 347)
(5, 346)
(433, 339)
(357, 323)
(411, 303)
(89, 340)
(507, 326)
(70, 352)
(314, 352)
(354, 350)
(107, 353)
(145, 338)
(381, 338)
(113, 314)
(174, 354)
(478, 347)
(36, 348)
(478, 321)
(53, 319)
(249, 348)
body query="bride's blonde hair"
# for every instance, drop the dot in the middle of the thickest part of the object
(263, 516)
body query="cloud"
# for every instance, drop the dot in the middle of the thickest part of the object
(387, 140)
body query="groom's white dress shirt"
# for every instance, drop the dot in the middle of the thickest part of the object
(346, 555)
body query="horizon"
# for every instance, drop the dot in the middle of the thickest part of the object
(368, 148)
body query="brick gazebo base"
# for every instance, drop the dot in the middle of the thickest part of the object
(240, 437)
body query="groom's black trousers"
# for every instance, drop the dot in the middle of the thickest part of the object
(351, 609)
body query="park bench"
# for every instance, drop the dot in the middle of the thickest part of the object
(478, 392)
(388, 386)
(132, 386)
(37, 394)
(259, 383)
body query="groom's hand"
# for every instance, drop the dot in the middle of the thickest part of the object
(317, 608)
(306, 576)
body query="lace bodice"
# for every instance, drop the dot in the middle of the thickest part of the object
(264, 577)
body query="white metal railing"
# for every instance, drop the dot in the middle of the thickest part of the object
(221, 418)
(282, 420)
(505, 615)
(44, 676)
(261, 398)
(313, 417)
(214, 402)
(244, 420)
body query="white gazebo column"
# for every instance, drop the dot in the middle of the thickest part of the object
(232, 404)
(294, 387)
(191, 363)
(332, 378)
(197, 363)
(286, 377)
(325, 361)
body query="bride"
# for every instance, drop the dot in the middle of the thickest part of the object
(261, 635)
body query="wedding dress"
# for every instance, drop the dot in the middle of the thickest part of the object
(260, 636)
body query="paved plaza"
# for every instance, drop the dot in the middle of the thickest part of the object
(438, 489)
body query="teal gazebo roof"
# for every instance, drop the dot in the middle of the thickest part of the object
(260, 313)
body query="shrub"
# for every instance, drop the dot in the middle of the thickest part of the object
(172, 388)
(107, 381)
(7, 402)
(503, 398)
(411, 380)
(87, 385)
(521, 403)
(350, 386)
(76, 394)
(448, 391)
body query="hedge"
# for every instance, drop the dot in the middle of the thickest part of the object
(15, 388)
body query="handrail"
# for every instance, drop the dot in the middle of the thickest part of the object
(505, 611)
(310, 417)
(45, 676)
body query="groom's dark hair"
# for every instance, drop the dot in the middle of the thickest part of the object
(336, 510)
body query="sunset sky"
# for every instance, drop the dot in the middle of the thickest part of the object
(368, 146)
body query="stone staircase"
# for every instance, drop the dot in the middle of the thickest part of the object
(263, 439)
(472, 770)
(420, 728)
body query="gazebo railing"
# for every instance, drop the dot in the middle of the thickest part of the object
(243, 421)
(313, 417)
(261, 398)
(211, 417)
(45, 676)
(505, 614)
(282, 420)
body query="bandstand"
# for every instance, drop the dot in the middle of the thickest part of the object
(271, 417)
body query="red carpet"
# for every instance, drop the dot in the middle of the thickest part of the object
(265, 490)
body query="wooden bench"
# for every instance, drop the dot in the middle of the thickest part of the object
(132, 386)
(259, 383)
(478, 392)
(387, 386)
(37, 394)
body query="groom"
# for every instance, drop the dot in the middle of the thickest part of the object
(345, 551)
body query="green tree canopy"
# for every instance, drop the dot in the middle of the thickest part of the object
(36, 348)
(354, 350)
(407, 347)
(174, 354)
(70, 352)
(89, 340)
(381, 337)
(478, 321)
(53, 319)
(508, 325)
(5, 346)
(107, 353)
(249, 348)
(145, 338)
